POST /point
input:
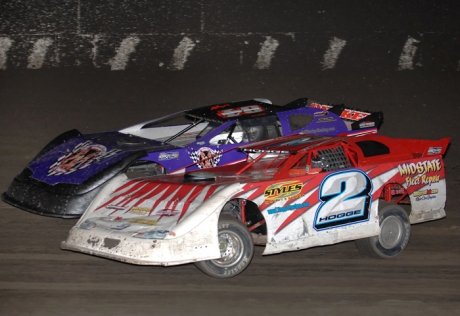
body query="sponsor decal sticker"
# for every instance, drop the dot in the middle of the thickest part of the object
(143, 221)
(367, 124)
(326, 119)
(425, 194)
(434, 150)
(206, 157)
(288, 208)
(167, 213)
(116, 207)
(152, 234)
(420, 167)
(353, 115)
(216, 107)
(321, 113)
(417, 172)
(282, 191)
(83, 155)
(320, 106)
(120, 226)
(87, 224)
(348, 114)
(168, 155)
(139, 210)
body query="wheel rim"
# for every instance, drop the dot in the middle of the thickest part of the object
(391, 232)
(231, 249)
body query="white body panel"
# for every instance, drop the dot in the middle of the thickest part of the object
(194, 238)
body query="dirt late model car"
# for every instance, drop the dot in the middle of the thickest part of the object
(66, 175)
(291, 193)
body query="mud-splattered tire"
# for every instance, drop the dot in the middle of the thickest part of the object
(394, 233)
(236, 248)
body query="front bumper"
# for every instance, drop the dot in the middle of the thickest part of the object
(35, 199)
(199, 244)
(61, 200)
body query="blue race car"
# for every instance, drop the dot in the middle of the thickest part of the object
(67, 174)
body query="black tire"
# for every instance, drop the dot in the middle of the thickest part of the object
(394, 233)
(236, 247)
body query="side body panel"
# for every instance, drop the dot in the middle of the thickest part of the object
(206, 153)
(145, 222)
(337, 206)
(173, 219)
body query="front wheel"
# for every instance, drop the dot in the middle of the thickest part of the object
(394, 233)
(236, 250)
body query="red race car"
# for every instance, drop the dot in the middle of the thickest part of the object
(292, 193)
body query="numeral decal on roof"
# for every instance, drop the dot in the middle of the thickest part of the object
(244, 110)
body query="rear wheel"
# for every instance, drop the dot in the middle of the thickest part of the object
(394, 233)
(236, 249)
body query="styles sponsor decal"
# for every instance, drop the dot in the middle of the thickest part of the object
(282, 191)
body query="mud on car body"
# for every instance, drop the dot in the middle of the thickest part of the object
(293, 192)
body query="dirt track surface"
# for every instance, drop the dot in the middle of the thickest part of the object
(37, 278)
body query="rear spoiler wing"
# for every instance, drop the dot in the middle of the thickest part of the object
(359, 119)
(436, 147)
(356, 119)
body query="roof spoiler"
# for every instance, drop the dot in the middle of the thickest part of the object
(437, 147)
(359, 119)
(297, 103)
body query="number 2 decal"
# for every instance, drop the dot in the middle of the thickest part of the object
(345, 199)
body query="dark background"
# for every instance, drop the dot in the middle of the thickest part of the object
(74, 86)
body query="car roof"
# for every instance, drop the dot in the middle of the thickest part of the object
(240, 110)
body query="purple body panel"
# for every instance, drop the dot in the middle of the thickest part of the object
(66, 175)
(80, 158)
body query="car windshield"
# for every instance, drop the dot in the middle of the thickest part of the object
(177, 129)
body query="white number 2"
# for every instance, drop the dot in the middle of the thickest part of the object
(345, 199)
